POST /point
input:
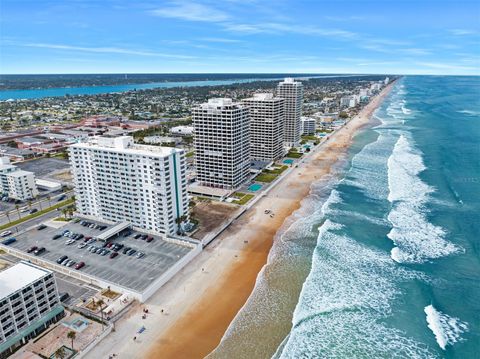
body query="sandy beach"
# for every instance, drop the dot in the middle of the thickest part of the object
(190, 314)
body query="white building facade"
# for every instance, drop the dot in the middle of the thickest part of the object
(16, 183)
(222, 143)
(118, 180)
(267, 123)
(29, 303)
(308, 126)
(292, 92)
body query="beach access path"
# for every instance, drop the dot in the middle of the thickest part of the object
(188, 316)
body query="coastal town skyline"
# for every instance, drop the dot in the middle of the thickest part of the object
(240, 37)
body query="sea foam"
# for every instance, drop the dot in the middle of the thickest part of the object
(416, 239)
(447, 330)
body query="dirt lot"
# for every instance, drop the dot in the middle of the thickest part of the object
(210, 215)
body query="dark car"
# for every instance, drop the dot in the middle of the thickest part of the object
(57, 236)
(42, 226)
(31, 249)
(80, 236)
(113, 255)
(61, 198)
(143, 237)
(126, 249)
(79, 265)
(32, 211)
(131, 252)
(39, 251)
(9, 241)
(137, 236)
(149, 239)
(63, 296)
(61, 259)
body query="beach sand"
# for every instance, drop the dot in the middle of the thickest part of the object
(201, 300)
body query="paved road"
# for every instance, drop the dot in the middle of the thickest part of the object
(39, 205)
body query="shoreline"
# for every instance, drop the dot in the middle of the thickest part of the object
(190, 323)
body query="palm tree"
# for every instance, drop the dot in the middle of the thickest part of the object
(60, 353)
(65, 212)
(49, 199)
(7, 213)
(71, 335)
(29, 203)
(17, 207)
(100, 303)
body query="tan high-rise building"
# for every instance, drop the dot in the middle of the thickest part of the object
(222, 143)
(267, 122)
(292, 92)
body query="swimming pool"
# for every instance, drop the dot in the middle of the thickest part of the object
(254, 187)
(288, 162)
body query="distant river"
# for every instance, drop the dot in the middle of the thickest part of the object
(93, 90)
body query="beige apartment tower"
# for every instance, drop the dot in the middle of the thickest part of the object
(292, 92)
(222, 143)
(267, 122)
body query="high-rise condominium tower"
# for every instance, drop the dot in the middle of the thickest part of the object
(267, 121)
(292, 92)
(222, 143)
(118, 180)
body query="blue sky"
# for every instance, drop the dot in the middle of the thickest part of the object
(113, 36)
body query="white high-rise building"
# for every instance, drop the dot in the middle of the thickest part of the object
(222, 143)
(16, 183)
(267, 121)
(292, 92)
(118, 180)
(29, 303)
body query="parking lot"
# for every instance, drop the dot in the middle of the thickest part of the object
(125, 270)
(44, 167)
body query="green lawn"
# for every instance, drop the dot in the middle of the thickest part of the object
(244, 199)
(190, 154)
(278, 170)
(292, 154)
(266, 177)
(37, 214)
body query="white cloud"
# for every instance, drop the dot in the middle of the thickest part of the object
(462, 32)
(220, 40)
(105, 50)
(191, 11)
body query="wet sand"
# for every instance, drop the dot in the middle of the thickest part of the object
(200, 302)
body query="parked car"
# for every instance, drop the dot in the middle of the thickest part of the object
(61, 198)
(82, 245)
(137, 236)
(9, 241)
(143, 237)
(79, 265)
(63, 296)
(140, 255)
(39, 251)
(61, 259)
(31, 249)
(42, 226)
(149, 239)
(6, 233)
(113, 255)
(33, 210)
(126, 249)
(70, 241)
(131, 252)
(70, 263)
(57, 236)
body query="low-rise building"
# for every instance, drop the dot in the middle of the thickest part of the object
(29, 303)
(16, 183)
(308, 126)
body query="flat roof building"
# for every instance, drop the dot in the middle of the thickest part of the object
(267, 123)
(117, 180)
(292, 92)
(16, 183)
(222, 143)
(29, 303)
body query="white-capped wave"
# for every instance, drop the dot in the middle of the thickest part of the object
(470, 112)
(415, 238)
(447, 330)
(343, 301)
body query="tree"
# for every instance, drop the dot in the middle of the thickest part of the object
(60, 353)
(7, 213)
(71, 335)
(65, 212)
(343, 114)
(49, 199)
(100, 303)
(17, 207)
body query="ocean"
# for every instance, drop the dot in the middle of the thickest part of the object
(382, 259)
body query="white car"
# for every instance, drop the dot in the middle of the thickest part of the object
(6, 233)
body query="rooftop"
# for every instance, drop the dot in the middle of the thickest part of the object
(19, 276)
(125, 144)
(19, 173)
